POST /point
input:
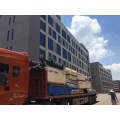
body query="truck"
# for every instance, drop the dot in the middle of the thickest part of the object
(27, 82)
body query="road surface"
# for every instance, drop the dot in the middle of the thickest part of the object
(104, 99)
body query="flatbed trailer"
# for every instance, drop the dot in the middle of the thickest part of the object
(85, 98)
(23, 83)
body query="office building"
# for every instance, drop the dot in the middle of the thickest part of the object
(116, 85)
(101, 77)
(46, 36)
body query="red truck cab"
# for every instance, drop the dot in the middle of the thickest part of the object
(14, 77)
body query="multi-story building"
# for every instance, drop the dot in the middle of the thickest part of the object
(101, 77)
(116, 85)
(46, 36)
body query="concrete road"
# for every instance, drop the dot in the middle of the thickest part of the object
(105, 99)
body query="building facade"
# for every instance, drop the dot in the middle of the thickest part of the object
(116, 85)
(45, 36)
(101, 77)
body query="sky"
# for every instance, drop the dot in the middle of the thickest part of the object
(101, 36)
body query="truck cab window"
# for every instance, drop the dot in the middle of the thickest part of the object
(16, 71)
(4, 70)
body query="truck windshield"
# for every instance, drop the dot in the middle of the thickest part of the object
(4, 70)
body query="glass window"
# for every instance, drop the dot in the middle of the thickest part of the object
(54, 34)
(64, 34)
(43, 16)
(73, 51)
(13, 19)
(59, 39)
(42, 53)
(49, 30)
(16, 71)
(12, 34)
(50, 44)
(54, 58)
(68, 38)
(69, 48)
(58, 49)
(50, 20)
(8, 34)
(42, 39)
(57, 28)
(64, 63)
(64, 43)
(4, 70)
(42, 26)
(49, 56)
(60, 61)
(64, 53)
(69, 57)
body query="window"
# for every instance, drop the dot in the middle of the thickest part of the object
(50, 44)
(60, 61)
(50, 20)
(43, 17)
(9, 20)
(69, 48)
(73, 51)
(4, 70)
(16, 71)
(13, 19)
(42, 53)
(54, 58)
(54, 34)
(68, 38)
(8, 34)
(69, 57)
(76, 53)
(57, 28)
(58, 50)
(42, 39)
(64, 53)
(12, 34)
(64, 63)
(49, 56)
(64, 43)
(59, 39)
(42, 25)
(64, 34)
(49, 30)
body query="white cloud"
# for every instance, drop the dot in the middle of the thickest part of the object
(115, 68)
(87, 31)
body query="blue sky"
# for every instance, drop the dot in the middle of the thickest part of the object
(110, 31)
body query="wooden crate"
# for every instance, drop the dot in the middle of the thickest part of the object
(84, 84)
(56, 75)
(71, 77)
(80, 76)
